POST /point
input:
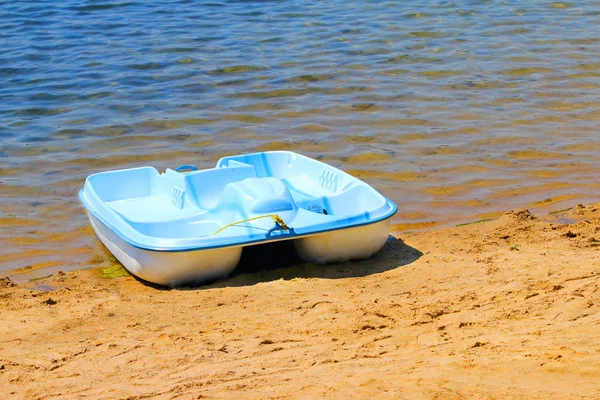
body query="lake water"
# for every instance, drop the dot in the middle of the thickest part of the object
(456, 110)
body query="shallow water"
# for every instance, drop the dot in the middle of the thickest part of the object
(455, 110)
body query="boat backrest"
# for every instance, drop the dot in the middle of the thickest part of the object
(354, 199)
(204, 188)
(125, 184)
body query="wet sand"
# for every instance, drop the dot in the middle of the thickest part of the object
(507, 308)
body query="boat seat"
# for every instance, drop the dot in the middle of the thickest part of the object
(258, 196)
(204, 188)
(352, 200)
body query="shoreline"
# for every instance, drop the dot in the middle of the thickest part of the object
(508, 307)
(103, 259)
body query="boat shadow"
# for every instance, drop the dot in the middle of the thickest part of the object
(278, 260)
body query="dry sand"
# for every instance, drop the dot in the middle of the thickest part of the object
(495, 310)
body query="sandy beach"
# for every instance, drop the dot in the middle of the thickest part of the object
(500, 309)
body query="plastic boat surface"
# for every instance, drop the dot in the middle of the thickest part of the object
(177, 228)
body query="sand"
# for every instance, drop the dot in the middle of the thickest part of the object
(501, 309)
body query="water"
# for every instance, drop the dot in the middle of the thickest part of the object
(455, 110)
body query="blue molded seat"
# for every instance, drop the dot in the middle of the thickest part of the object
(204, 188)
(258, 196)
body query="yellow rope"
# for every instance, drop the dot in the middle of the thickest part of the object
(275, 218)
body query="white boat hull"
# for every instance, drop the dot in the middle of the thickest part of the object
(344, 244)
(176, 268)
(166, 267)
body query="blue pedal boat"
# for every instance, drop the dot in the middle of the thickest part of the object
(187, 226)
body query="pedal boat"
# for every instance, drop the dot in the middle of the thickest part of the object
(176, 228)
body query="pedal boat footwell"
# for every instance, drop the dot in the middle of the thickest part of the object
(177, 228)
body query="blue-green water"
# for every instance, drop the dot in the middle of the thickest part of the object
(455, 110)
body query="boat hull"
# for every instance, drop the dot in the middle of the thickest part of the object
(177, 268)
(169, 268)
(344, 244)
